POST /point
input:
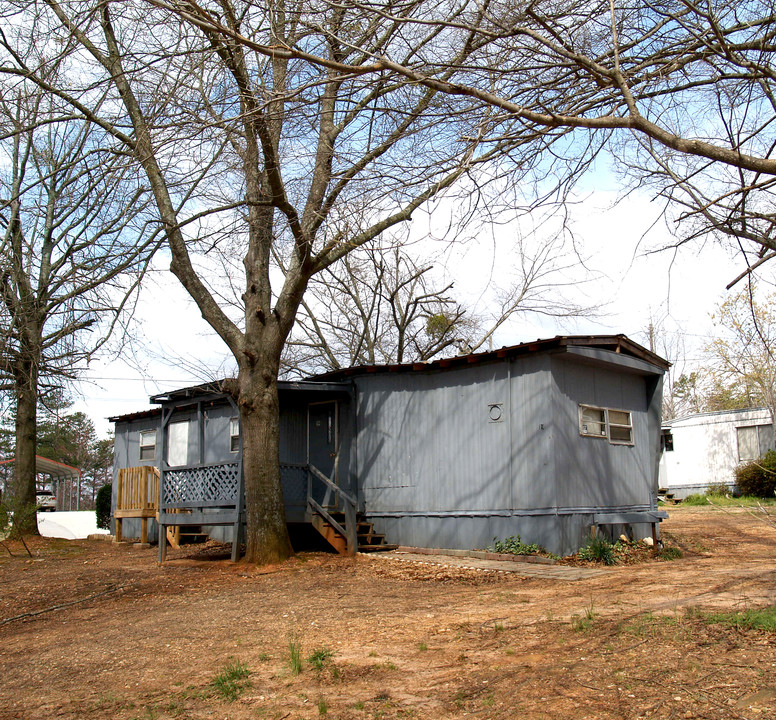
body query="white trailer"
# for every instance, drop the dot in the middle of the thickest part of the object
(705, 449)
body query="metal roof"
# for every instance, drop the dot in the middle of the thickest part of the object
(57, 470)
(215, 388)
(139, 415)
(619, 344)
(331, 381)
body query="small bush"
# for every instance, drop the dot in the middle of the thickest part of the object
(718, 490)
(598, 549)
(102, 507)
(758, 478)
(695, 499)
(513, 545)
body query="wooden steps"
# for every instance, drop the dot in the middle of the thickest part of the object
(663, 495)
(367, 539)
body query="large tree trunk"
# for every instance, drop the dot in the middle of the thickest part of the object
(25, 518)
(267, 540)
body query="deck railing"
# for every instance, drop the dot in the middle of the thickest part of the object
(205, 494)
(138, 488)
(137, 496)
(211, 485)
(335, 500)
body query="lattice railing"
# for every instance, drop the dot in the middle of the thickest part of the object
(209, 484)
(294, 479)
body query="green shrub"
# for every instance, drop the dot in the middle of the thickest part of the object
(513, 545)
(695, 499)
(758, 478)
(102, 507)
(718, 490)
(598, 549)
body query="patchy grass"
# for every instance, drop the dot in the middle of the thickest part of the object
(583, 622)
(751, 619)
(714, 499)
(320, 657)
(232, 681)
(649, 625)
(669, 553)
(295, 655)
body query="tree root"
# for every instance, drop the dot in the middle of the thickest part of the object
(63, 605)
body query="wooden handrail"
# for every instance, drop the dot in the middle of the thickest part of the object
(333, 486)
(349, 504)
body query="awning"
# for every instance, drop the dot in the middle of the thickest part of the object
(57, 470)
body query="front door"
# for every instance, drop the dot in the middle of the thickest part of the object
(322, 436)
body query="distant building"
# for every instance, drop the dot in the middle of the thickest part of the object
(705, 449)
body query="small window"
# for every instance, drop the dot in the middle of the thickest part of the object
(592, 421)
(616, 425)
(748, 445)
(148, 445)
(234, 434)
(666, 441)
(620, 427)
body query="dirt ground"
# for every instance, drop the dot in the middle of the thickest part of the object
(93, 630)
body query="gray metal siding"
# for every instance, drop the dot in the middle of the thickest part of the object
(293, 431)
(592, 472)
(425, 442)
(532, 435)
(216, 434)
(436, 471)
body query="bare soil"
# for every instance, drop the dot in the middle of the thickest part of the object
(93, 630)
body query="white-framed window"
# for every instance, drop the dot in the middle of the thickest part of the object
(754, 441)
(615, 425)
(148, 444)
(234, 434)
(620, 427)
(178, 443)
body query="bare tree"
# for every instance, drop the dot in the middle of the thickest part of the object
(375, 306)
(742, 357)
(248, 150)
(72, 248)
(680, 92)
(379, 305)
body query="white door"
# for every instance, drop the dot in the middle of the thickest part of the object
(178, 443)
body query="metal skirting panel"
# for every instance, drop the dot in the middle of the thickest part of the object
(562, 534)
